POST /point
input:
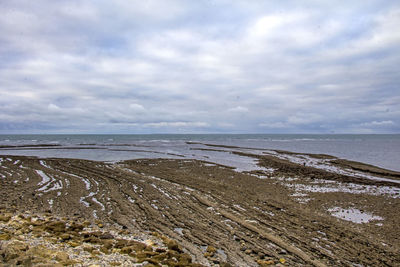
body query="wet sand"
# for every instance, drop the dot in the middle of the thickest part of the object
(295, 210)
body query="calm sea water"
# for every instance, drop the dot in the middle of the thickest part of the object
(379, 150)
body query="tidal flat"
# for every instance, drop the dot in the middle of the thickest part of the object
(289, 209)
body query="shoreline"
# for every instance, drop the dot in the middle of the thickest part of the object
(285, 210)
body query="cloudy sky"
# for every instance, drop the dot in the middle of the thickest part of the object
(199, 66)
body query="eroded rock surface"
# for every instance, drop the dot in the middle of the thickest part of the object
(200, 213)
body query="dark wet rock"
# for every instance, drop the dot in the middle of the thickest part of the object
(106, 236)
(58, 227)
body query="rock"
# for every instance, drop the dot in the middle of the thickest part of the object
(160, 257)
(76, 227)
(92, 239)
(184, 259)
(65, 237)
(86, 223)
(211, 249)
(149, 243)
(248, 251)
(106, 236)
(88, 248)
(173, 245)
(208, 254)
(105, 250)
(95, 252)
(55, 227)
(121, 243)
(13, 249)
(62, 256)
(5, 236)
(214, 260)
(160, 250)
(5, 218)
(264, 263)
(155, 234)
(74, 244)
(126, 250)
(107, 243)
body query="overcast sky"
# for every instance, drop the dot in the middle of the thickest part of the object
(199, 66)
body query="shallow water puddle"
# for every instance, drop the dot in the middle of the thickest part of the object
(353, 215)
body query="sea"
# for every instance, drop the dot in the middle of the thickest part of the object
(375, 149)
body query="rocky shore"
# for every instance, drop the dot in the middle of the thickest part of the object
(174, 212)
(32, 239)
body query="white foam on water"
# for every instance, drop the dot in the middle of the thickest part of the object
(389, 191)
(82, 200)
(56, 186)
(98, 203)
(353, 215)
(41, 162)
(87, 183)
(45, 178)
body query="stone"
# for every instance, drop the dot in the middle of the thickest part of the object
(173, 245)
(5, 236)
(76, 227)
(55, 227)
(62, 256)
(126, 250)
(88, 248)
(106, 236)
(105, 250)
(95, 252)
(214, 260)
(161, 256)
(160, 250)
(211, 249)
(65, 237)
(264, 263)
(185, 259)
(74, 244)
(13, 249)
(5, 218)
(107, 243)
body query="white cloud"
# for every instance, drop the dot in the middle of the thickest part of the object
(239, 109)
(136, 107)
(378, 123)
(165, 65)
(176, 124)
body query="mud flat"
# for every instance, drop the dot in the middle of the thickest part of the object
(294, 210)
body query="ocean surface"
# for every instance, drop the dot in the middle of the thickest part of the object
(378, 150)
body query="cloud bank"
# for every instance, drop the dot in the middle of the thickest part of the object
(199, 66)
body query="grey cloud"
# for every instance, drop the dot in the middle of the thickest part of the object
(200, 66)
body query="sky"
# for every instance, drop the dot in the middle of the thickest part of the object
(204, 66)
